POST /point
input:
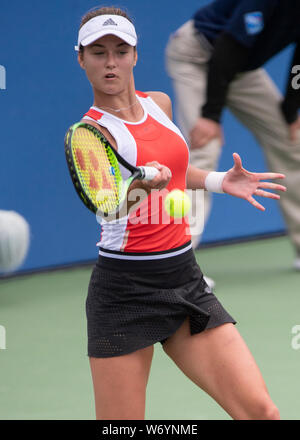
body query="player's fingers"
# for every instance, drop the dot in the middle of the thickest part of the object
(265, 176)
(269, 195)
(168, 172)
(271, 185)
(255, 203)
(161, 180)
(237, 160)
(165, 173)
(154, 164)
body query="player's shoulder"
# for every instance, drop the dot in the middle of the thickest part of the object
(163, 101)
(160, 97)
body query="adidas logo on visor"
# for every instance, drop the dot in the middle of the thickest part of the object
(109, 22)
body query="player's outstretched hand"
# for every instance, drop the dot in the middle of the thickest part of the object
(241, 183)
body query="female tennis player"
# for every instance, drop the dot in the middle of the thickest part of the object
(146, 286)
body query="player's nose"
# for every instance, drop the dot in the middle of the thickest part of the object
(110, 60)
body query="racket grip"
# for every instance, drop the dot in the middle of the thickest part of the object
(149, 172)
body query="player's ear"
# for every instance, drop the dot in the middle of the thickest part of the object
(80, 60)
(135, 56)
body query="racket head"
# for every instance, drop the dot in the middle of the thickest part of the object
(94, 169)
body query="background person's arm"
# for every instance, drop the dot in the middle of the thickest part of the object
(228, 58)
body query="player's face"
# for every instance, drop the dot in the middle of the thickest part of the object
(109, 63)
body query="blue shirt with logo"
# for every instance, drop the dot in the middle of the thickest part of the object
(265, 27)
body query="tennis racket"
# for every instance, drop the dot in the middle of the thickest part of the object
(95, 172)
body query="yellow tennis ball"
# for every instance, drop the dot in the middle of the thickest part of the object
(177, 203)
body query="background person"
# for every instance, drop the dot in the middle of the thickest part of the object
(215, 61)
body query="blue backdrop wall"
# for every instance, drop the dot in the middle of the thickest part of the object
(46, 92)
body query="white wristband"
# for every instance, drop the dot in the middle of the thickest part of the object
(214, 181)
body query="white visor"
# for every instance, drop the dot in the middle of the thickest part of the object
(102, 25)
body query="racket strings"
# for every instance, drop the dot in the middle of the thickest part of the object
(97, 169)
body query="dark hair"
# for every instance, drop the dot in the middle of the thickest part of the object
(105, 10)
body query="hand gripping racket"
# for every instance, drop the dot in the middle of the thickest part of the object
(94, 168)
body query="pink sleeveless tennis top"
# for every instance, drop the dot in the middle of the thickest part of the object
(148, 232)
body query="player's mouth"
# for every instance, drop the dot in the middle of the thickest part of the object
(110, 76)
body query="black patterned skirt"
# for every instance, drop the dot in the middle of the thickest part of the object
(132, 305)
